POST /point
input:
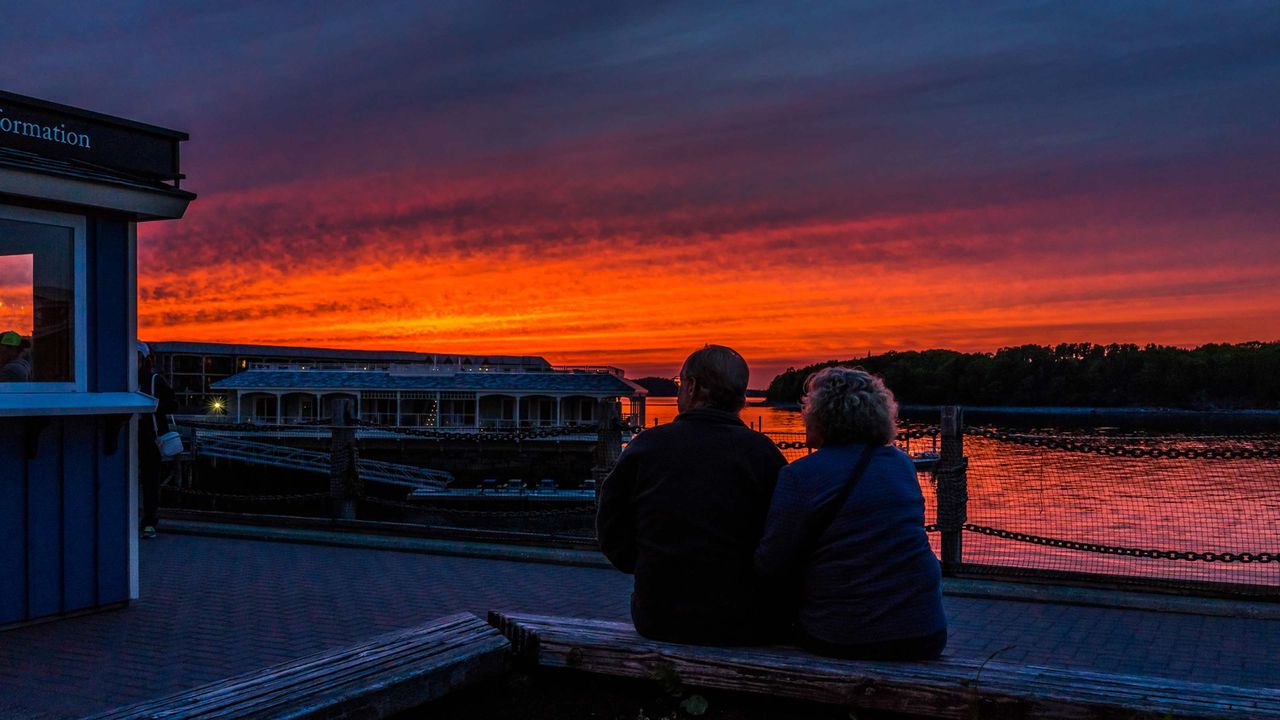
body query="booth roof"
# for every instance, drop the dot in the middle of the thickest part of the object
(554, 382)
(21, 160)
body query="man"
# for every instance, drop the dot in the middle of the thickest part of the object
(149, 427)
(15, 357)
(684, 509)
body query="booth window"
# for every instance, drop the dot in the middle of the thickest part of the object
(37, 303)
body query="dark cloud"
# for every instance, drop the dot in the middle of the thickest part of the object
(900, 90)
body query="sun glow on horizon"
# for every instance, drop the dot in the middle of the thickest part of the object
(783, 296)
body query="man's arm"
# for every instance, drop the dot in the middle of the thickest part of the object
(616, 516)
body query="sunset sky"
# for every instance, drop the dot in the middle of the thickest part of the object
(600, 185)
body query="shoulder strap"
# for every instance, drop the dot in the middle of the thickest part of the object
(832, 509)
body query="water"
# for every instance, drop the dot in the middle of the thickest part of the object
(774, 419)
(1218, 505)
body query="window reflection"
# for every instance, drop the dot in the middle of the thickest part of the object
(37, 297)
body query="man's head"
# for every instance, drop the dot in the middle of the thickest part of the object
(714, 377)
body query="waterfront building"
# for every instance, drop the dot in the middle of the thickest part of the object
(446, 396)
(193, 367)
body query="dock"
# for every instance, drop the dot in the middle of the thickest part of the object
(213, 607)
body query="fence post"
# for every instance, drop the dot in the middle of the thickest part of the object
(608, 440)
(344, 473)
(952, 486)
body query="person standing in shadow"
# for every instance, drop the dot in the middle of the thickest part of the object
(151, 465)
(684, 508)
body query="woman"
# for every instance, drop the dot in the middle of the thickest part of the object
(846, 529)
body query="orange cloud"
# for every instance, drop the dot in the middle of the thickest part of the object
(616, 290)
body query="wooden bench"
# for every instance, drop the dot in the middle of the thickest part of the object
(948, 688)
(375, 678)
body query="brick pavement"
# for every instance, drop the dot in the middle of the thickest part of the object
(215, 607)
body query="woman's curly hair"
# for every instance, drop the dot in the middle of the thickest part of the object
(849, 406)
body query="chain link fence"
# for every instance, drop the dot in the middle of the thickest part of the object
(1176, 510)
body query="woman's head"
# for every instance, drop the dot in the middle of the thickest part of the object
(845, 406)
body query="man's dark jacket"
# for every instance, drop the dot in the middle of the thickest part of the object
(683, 510)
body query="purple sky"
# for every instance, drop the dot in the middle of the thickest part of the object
(972, 177)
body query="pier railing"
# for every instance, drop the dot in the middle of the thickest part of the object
(1175, 512)
(1180, 512)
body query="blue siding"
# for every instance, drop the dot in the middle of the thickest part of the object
(13, 524)
(64, 520)
(93, 338)
(109, 312)
(113, 523)
(64, 514)
(44, 524)
(79, 515)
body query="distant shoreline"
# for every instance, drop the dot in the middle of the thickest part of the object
(1068, 410)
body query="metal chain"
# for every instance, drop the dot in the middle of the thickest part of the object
(252, 498)
(928, 431)
(1224, 557)
(589, 509)
(503, 436)
(1058, 443)
(320, 424)
(484, 513)
(431, 434)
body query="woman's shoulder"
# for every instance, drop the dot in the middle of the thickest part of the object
(826, 459)
(891, 459)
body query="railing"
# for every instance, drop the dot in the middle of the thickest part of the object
(605, 369)
(1184, 513)
(919, 441)
(388, 422)
(291, 458)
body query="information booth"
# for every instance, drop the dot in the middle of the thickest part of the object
(73, 186)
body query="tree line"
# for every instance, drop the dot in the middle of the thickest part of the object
(1215, 376)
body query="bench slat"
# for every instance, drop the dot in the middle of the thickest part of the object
(375, 678)
(327, 668)
(948, 688)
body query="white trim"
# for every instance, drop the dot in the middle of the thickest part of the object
(82, 305)
(80, 300)
(134, 591)
(130, 345)
(131, 322)
(74, 403)
(148, 204)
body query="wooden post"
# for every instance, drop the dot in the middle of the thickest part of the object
(608, 440)
(952, 487)
(344, 474)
